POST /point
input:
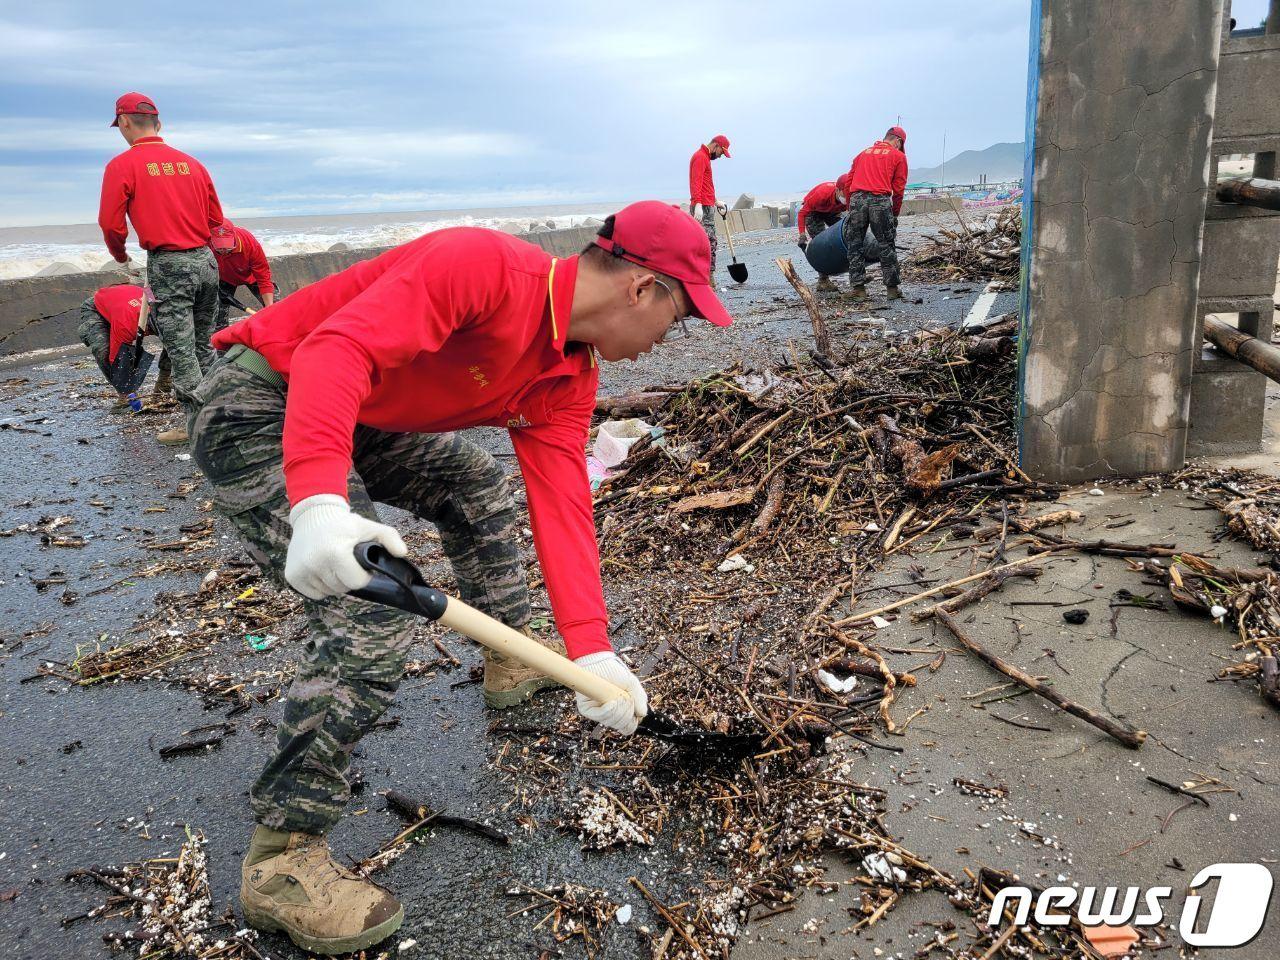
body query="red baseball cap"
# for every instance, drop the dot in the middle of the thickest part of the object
(842, 182)
(134, 103)
(222, 239)
(721, 139)
(666, 239)
(900, 134)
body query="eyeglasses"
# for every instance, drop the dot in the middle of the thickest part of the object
(678, 327)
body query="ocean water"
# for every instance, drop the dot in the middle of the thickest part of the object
(26, 251)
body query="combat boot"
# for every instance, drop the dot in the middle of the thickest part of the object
(508, 682)
(894, 293)
(857, 291)
(173, 438)
(290, 883)
(826, 285)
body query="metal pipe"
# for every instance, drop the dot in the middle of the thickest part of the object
(1251, 192)
(1250, 351)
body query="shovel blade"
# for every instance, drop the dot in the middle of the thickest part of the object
(738, 271)
(707, 743)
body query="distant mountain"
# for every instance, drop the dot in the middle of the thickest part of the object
(1000, 161)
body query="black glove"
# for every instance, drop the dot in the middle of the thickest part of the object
(803, 243)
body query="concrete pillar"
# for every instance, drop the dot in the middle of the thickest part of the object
(1120, 112)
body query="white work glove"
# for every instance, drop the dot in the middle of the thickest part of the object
(722, 209)
(135, 272)
(321, 561)
(624, 713)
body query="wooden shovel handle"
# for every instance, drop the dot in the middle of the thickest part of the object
(500, 638)
(728, 235)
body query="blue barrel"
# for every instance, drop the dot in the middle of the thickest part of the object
(826, 252)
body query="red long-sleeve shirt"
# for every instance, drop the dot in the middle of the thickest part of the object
(246, 265)
(702, 188)
(881, 168)
(460, 328)
(119, 306)
(821, 199)
(167, 195)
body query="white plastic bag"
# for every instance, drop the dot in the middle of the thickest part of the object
(615, 438)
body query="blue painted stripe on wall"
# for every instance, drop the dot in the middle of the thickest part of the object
(1028, 212)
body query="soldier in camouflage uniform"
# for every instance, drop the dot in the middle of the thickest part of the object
(383, 362)
(356, 653)
(95, 333)
(169, 199)
(877, 180)
(702, 189)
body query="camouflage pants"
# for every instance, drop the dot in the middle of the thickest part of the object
(95, 333)
(354, 658)
(876, 211)
(226, 291)
(709, 225)
(185, 284)
(815, 223)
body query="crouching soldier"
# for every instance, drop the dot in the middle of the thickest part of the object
(111, 321)
(822, 207)
(241, 263)
(349, 392)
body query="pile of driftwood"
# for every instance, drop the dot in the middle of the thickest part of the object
(973, 251)
(731, 541)
(812, 460)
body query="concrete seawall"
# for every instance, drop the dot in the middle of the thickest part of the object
(41, 313)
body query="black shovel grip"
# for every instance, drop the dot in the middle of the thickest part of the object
(397, 583)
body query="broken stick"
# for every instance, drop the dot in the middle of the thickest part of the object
(820, 338)
(1128, 736)
(410, 809)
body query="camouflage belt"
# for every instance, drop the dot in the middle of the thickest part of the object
(256, 364)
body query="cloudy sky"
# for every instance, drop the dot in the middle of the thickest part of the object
(315, 107)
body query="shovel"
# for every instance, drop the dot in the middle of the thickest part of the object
(736, 270)
(398, 583)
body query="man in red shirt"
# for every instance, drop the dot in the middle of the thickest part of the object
(241, 263)
(349, 392)
(702, 189)
(109, 319)
(822, 206)
(876, 183)
(170, 201)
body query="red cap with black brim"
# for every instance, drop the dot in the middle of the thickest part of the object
(667, 240)
(721, 139)
(134, 103)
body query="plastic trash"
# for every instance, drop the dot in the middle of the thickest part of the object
(616, 437)
(597, 472)
(259, 643)
(835, 684)
(1111, 941)
(134, 403)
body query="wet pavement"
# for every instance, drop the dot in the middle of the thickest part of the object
(84, 784)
